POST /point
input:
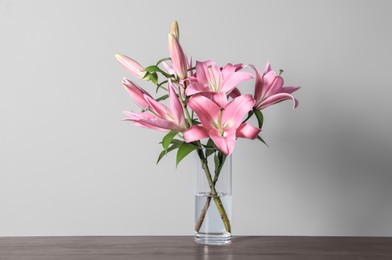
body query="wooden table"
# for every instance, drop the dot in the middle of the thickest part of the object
(176, 247)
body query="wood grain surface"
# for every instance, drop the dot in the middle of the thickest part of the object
(176, 247)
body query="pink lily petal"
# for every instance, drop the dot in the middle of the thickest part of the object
(168, 68)
(290, 90)
(236, 78)
(258, 84)
(131, 65)
(225, 143)
(206, 110)
(247, 131)
(235, 111)
(209, 74)
(191, 73)
(228, 70)
(175, 105)
(239, 66)
(259, 80)
(136, 93)
(151, 121)
(234, 93)
(276, 99)
(195, 88)
(220, 99)
(195, 133)
(201, 72)
(158, 108)
(135, 119)
(178, 57)
(271, 83)
(276, 86)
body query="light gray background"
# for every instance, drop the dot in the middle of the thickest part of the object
(70, 166)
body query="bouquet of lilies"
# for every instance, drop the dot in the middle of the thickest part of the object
(205, 111)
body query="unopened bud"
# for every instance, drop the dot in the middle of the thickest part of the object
(175, 30)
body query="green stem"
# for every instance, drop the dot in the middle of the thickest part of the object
(203, 214)
(188, 116)
(214, 195)
(208, 201)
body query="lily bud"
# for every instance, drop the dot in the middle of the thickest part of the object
(137, 93)
(131, 66)
(175, 30)
(178, 57)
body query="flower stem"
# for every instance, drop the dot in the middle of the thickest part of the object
(184, 107)
(214, 195)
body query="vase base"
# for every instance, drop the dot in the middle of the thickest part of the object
(212, 239)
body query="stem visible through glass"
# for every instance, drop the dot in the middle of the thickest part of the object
(214, 194)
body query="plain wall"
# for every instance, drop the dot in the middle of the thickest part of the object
(70, 166)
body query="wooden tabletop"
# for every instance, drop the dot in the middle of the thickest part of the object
(176, 247)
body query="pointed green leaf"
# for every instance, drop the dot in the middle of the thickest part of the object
(155, 69)
(162, 97)
(152, 68)
(154, 78)
(167, 139)
(183, 151)
(260, 117)
(261, 140)
(222, 158)
(210, 147)
(219, 162)
(249, 115)
(176, 144)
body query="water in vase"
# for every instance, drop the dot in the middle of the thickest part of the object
(212, 229)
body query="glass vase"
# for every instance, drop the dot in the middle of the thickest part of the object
(213, 198)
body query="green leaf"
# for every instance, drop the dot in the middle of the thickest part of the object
(166, 141)
(153, 76)
(176, 144)
(220, 159)
(155, 69)
(217, 163)
(210, 147)
(261, 140)
(152, 68)
(162, 97)
(249, 115)
(260, 117)
(184, 150)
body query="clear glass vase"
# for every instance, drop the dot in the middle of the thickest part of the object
(213, 198)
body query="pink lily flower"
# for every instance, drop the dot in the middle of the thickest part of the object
(269, 89)
(131, 66)
(222, 124)
(211, 79)
(178, 57)
(137, 93)
(161, 117)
